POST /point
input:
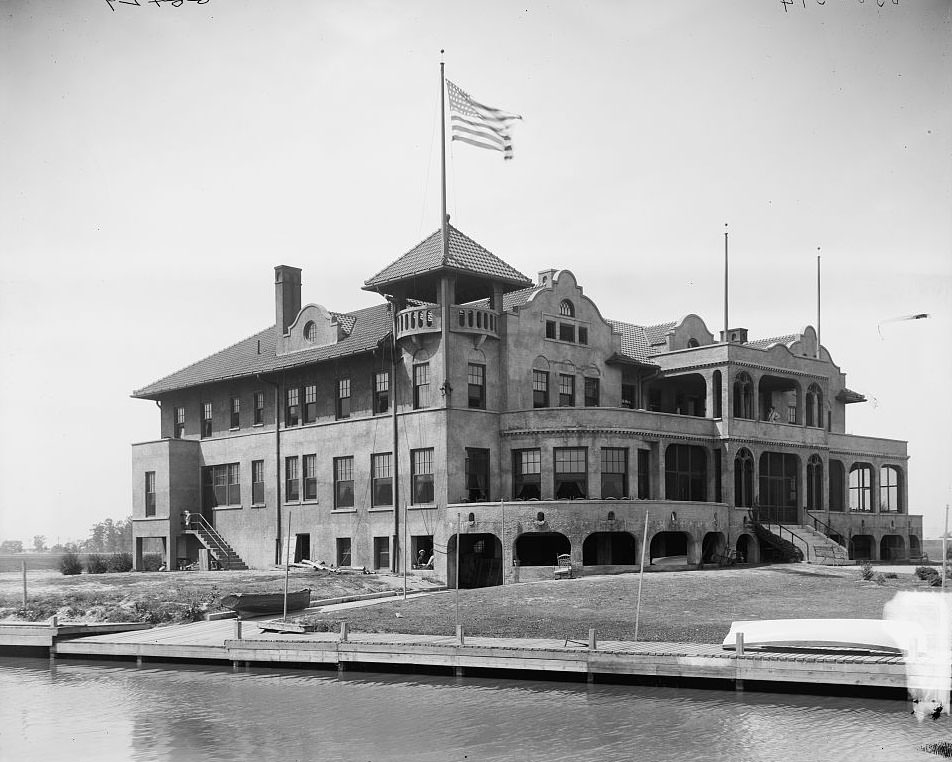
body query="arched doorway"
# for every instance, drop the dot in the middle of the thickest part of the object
(712, 546)
(748, 552)
(915, 549)
(541, 548)
(609, 549)
(861, 547)
(892, 548)
(669, 545)
(480, 560)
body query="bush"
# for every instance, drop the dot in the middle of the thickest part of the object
(96, 564)
(926, 573)
(152, 562)
(867, 570)
(119, 562)
(70, 564)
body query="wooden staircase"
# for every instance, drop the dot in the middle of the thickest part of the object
(198, 526)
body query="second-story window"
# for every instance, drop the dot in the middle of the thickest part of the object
(592, 398)
(344, 482)
(206, 419)
(476, 380)
(150, 493)
(259, 408)
(292, 416)
(310, 477)
(221, 485)
(421, 475)
(257, 482)
(540, 388)
(381, 392)
(381, 474)
(179, 422)
(292, 479)
(235, 413)
(614, 472)
(477, 474)
(421, 385)
(310, 403)
(343, 398)
(889, 494)
(571, 473)
(566, 390)
(861, 489)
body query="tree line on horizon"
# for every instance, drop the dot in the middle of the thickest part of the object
(106, 536)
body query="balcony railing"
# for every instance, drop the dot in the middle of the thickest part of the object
(416, 320)
(475, 320)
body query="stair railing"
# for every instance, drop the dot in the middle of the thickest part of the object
(827, 529)
(198, 523)
(754, 514)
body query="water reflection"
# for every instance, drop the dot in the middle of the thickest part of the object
(105, 711)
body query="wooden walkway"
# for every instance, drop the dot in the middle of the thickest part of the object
(217, 641)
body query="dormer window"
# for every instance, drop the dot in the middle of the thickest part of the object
(566, 308)
(310, 331)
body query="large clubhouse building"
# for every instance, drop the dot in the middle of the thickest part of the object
(474, 403)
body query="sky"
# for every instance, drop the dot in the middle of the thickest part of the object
(157, 162)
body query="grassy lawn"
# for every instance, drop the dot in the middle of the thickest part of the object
(165, 597)
(691, 606)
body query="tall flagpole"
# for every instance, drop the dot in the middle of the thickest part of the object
(726, 321)
(443, 227)
(817, 302)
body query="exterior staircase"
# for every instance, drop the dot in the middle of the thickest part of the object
(198, 526)
(815, 546)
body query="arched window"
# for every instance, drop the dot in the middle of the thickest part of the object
(837, 477)
(861, 487)
(744, 479)
(815, 406)
(566, 308)
(743, 396)
(693, 343)
(890, 494)
(815, 483)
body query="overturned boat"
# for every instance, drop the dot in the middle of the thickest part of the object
(260, 604)
(862, 635)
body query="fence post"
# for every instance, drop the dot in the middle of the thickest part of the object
(592, 643)
(23, 569)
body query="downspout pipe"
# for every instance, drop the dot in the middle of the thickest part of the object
(277, 464)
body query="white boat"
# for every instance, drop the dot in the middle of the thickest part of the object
(866, 635)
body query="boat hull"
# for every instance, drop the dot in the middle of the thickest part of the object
(869, 635)
(261, 604)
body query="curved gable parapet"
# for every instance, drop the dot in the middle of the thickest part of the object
(690, 332)
(313, 327)
(561, 284)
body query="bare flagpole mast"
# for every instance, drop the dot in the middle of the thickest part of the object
(726, 320)
(817, 302)
(443, 226)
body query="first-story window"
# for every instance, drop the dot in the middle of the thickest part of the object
(150, 493)
(343, 398)
(310, 403)
(292, 416)
(344, 482)
(861, 487)
(527, 474)
(614, 472)
(591, 392)
(571, 473)
(206, 419)
(381, 474)
(476, 383)
(259, 408)
(292, 479)
(644, 474)
(381, 392)
(566, 390)
(257, 482)
(343, 551)
(179, 422)
(421, 475)
(381, 552)
(477, 474)
(540, 388)
(235, 413)
(310, 477)
(221, 485)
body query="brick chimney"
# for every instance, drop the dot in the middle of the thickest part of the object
(287, 295)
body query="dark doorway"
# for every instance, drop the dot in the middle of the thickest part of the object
(892, 548)
(712, 546)
(541, 548)
(665, 544)
(861, 547)
(746, 549)
(302, 547)
(609, 549)
(480, 560)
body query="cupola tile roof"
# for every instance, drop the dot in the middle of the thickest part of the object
(464, 255)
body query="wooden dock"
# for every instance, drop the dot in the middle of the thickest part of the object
(46, 634)
(217, 641)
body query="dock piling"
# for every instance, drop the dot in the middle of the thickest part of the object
(739, 650)
(237, 629)
(592, 643)
(343, 632)
(460, 638)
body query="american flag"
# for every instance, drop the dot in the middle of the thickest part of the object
(479, 125)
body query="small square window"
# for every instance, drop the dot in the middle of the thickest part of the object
(550, 329)
(567, 332)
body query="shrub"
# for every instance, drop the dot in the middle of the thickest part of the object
(926, 573)
(880, 579)
(70, 564)
(867, 570)
(95, 564)
(119, 562)
(152, 561)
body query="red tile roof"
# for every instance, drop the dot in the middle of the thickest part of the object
(256, 354)
(465, 255)
(767, 343)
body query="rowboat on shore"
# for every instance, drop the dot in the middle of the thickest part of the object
(866, 635)
(260, 604)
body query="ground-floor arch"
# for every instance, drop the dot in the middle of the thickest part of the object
(892, 547)
(667, 544)
(915, 549)
(610, 549)
(541, 548)
(862, 547)
(747, 549)
(713, 545)
(480, 560)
